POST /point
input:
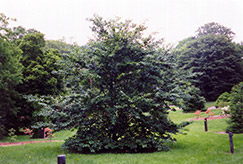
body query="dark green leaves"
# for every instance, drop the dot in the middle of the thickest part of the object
(119, 86)
(10, 77)
(236, 109)
(215, 60)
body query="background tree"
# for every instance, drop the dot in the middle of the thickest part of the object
(17, 33)
(39, 77)
(39, 66)
(239, 47)
(36, 77)
(216, 30)
(10, 77)
(120, 87)
(4, 22)
(60, 45)
(223, 100)
(192, 101)
(214, 58)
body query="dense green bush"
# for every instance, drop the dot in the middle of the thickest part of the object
(223, 100)
(192, 101)
(236, 109)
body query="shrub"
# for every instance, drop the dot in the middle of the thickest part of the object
(11, 135)
(223, 100)
(236, 109)
(193, 101)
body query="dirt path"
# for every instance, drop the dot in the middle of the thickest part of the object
(3, 144)
(209, 118)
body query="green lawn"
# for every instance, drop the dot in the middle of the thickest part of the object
(195, 147)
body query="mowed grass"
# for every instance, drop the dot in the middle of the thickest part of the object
(196, 146)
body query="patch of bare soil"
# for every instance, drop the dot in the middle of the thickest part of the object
(3, 144)
(209, 118)
(221, 132)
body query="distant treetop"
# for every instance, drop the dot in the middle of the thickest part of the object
(215, 29)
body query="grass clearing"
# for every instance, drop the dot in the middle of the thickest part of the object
(195, 147)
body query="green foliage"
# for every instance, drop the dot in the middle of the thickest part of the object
(39, 66)
(17, 33)
(39, 77)
(236, 109)
(60, 45)
(215, 29)
(10, 66)
(192, 100)
(11, 135)
(215, 59)
(223, 100)
(10, 77)
(119, 88)
(4, 29)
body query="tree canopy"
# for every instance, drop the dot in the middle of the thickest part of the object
(10, 77)
(39, 66)
(39, 77)
(215, 29)
(216, 60)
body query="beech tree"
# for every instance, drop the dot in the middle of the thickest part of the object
(120, 86)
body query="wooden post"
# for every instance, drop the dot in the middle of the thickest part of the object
(61, 159)
(231, 142)
(205, 125)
